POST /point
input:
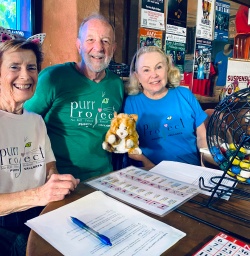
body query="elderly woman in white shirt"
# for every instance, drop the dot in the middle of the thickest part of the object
(28, 176)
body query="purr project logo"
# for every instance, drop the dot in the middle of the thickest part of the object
(89, 113)
(16, 159)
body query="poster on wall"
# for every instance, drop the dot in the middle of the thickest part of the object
(221, 26)
(176, 32)
(176, 17)
(149, 37)
(205, 17)
(238, 76)
(177, 13)
(202, 58)
(177, 51)
(152, 14)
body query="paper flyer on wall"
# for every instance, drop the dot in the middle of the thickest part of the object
(202, 61)
(130, 231)
(205, 18)
(176, 32)
(176, 50)
(150, 37)
(152, 14)
(151, 192)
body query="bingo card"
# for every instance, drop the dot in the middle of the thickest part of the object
(224, 245)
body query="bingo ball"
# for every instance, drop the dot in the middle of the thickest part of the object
(241, 179)
(235, 169)
(245, 164)
(219, 158)
(230, 173)
(235, 160)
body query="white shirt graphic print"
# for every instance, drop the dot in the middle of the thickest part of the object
(24, 151)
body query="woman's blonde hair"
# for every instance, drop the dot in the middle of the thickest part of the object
(133, 86)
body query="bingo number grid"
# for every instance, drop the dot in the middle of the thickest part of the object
(224, 245)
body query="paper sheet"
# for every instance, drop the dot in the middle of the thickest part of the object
(130, 231)
(146, 190)
(190, 174)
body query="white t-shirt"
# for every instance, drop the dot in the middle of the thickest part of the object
(24, 151)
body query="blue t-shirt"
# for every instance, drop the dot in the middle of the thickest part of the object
(221, 61)
(167, 126)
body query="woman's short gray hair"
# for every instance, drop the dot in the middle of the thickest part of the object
(22, 43)
(133, 86)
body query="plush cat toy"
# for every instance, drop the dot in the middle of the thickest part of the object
(122, 136)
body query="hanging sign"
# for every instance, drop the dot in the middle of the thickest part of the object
(238, 76)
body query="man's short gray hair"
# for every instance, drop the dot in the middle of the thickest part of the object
(94, 16)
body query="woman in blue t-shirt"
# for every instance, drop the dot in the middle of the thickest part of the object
(170, 120)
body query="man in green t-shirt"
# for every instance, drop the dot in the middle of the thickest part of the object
(77, 102)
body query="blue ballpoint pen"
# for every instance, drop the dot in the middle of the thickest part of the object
(82, 225)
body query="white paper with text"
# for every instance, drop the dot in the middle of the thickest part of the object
(192, 174)
(130, 231)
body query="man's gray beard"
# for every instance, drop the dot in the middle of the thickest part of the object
(101, 68)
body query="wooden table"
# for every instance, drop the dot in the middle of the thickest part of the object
(198, 232)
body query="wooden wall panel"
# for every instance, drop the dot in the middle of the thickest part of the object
(60, 22)
(84, 10)
(62, 18)
(244, 2)
(115, 11)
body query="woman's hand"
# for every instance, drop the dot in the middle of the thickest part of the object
(50, 169)
(56, 188)
(147, 164)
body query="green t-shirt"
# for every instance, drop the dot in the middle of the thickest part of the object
(77, 113)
